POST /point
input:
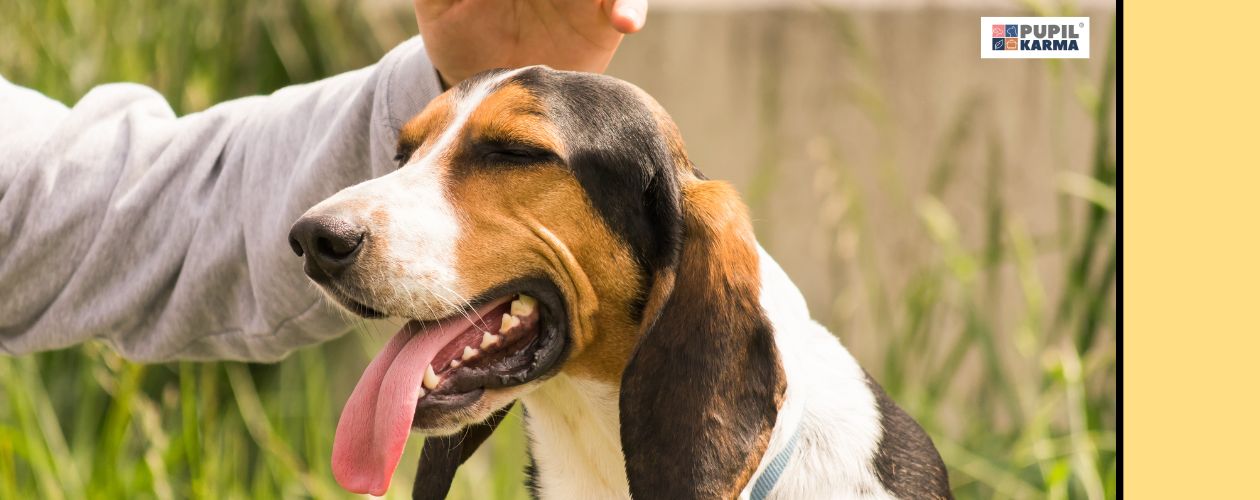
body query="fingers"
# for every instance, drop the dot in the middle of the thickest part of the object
(628, 16)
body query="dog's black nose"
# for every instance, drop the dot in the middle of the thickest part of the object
(330, 244)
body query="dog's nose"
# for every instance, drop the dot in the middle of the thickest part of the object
(330, 244)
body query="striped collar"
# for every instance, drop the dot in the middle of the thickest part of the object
(764, 483)
(778, 456)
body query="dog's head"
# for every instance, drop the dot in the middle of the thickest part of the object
(541, 222)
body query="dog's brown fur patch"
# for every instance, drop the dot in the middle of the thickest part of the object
(431, 121)
(513, 114)
(701, 395)
(504, 237)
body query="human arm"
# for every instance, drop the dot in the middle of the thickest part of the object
(164, 236)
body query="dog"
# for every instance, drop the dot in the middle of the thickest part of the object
(548, 241)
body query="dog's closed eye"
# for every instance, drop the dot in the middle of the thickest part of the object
(513, 153)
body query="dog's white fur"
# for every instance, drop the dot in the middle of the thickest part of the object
(575, 435)
(575, 439)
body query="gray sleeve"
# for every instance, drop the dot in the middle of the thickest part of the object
(165, 236)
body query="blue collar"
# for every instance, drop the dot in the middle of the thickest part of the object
(769, 477)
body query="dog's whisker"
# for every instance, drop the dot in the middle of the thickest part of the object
(463, 310)
(467, 306)
(411, 297)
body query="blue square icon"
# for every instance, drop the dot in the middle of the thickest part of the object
(999, 44)
(1012, 30)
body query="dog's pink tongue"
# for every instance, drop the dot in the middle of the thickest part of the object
(377, 418)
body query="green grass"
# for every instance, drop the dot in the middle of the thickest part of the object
(1019, 409)
(1037, 398)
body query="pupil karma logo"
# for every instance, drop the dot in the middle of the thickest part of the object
(1034, 38)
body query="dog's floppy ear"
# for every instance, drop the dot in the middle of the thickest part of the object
(442, 455)
(700, 395)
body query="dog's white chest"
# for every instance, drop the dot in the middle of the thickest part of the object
(573, 425)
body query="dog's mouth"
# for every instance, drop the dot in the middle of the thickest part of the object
(432, 371)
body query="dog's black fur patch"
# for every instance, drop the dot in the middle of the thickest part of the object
(442, 455)
(531, 475)
(906, 461)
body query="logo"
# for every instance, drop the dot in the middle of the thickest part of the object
(1034, 38)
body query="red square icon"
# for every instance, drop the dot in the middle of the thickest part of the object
(999, 30)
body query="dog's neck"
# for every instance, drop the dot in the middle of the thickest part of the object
(575, 439)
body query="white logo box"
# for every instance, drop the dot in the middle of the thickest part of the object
(1053, 29)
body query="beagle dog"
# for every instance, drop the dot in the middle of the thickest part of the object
(548, 241)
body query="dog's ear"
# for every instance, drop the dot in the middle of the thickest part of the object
(442, 455)
(700, 394)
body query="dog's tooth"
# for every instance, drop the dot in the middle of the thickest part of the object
(523, 306)
(509, 322)
(488, 339)
(430, 379)
(454, 364)
(468, 353)
(422, 393)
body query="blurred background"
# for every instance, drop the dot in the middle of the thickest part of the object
(951, 219)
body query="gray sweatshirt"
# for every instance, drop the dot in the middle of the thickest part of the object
(165, 236)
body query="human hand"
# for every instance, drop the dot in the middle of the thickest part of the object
(465, 37)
